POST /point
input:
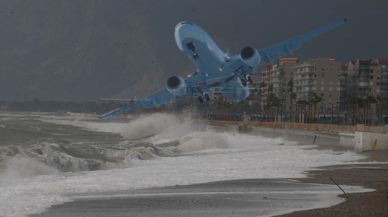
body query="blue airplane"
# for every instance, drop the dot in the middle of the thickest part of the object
(217, 70)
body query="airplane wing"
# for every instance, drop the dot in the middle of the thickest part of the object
(271, 53)
(153, 100)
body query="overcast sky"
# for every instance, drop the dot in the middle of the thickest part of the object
(72, 49)
(262, 23)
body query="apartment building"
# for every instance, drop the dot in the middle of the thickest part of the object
(278, 76)
(366, 77)
(321, 77)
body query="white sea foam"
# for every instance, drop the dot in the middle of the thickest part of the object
(86, 123)
(210, 157)
(157, 124)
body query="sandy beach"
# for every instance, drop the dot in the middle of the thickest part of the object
(373, 176)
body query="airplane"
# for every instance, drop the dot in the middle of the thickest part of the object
(217, 70)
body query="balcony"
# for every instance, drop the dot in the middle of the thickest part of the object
(304, 85)
(304, 79)
(363, 72)
(277, 80)
(384, 78)
(363, 84)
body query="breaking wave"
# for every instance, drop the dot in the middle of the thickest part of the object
(50, 158)
(198, 141)
(146, 138)
(163, 125)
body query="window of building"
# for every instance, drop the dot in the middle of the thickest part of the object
(378, 78)
(323, 69)
(322, 82)
(331, 82)
(315, 75)
(370, 89)
(321, 94)
(371, 71)
(323, 75)
(331, 76)
(331, 70)
(330, 88)
(339, 75)
(322, 88)
(378, 71)
(329, 95)
(315, 69)
(371, 77)
(291, 73)
(378, 83)
(338, 89)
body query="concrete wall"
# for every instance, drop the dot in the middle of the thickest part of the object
(366, 141)
(319, 134)
(302, 126)
(325, 127)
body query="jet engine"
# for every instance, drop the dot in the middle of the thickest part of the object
(176, 86)
(250, 56)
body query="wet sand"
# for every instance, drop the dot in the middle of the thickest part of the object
(373, 176)
(256, 197)
(260, 197)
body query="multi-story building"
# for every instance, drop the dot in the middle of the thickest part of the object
(319, 77)
(266, 79)
(366, 78)
(278, 76)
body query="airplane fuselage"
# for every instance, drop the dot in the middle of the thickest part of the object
(214, 66)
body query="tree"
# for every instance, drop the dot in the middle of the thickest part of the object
(382, 103)
(314, 101)
(368, 101)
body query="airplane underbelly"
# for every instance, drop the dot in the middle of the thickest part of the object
(206, 58)
(235, 91)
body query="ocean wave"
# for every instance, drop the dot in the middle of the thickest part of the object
(49, 158)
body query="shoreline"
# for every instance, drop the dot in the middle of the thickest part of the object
(350, 174)
(372, 176)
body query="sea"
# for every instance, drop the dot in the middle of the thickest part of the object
(44, 159)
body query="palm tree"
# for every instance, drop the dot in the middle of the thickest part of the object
(315, 100)
(358, 103)
(382, 102)
(302, 104)
(368, 101)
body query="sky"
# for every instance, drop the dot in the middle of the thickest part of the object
(261, 23)
(75, 49)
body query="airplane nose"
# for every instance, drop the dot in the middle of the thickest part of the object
(182, 30)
